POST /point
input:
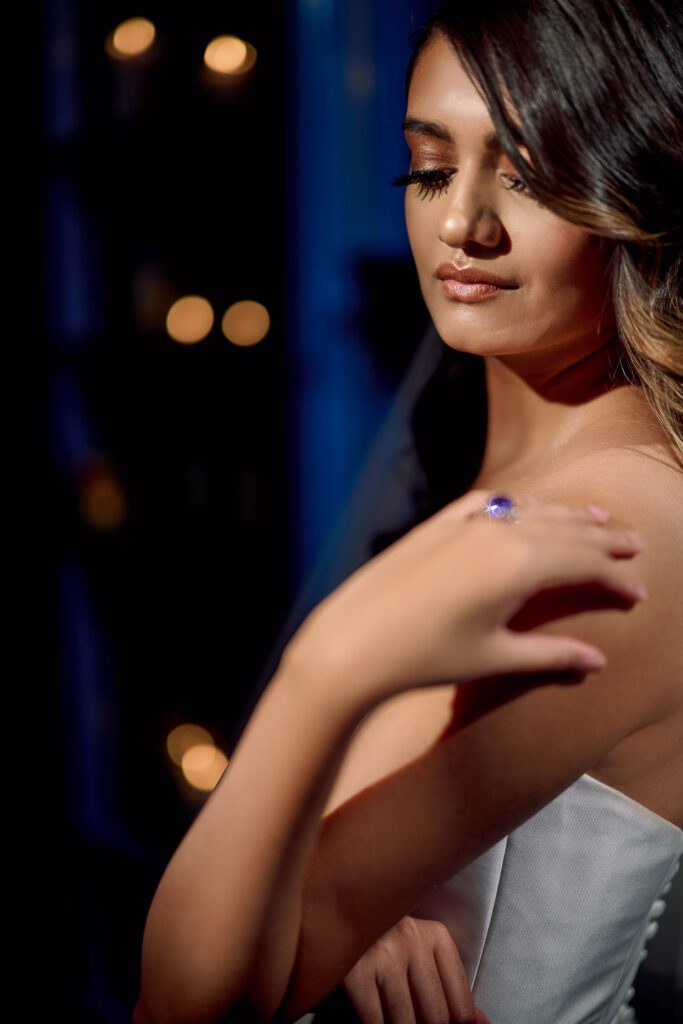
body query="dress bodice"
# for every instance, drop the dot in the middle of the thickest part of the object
(551, 923)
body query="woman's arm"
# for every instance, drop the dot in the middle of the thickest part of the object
(226, 918)
(247, 853)
(514, 744)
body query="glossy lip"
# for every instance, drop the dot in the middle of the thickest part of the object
(471, 275)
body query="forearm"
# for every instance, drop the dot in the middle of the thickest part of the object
(228, 907)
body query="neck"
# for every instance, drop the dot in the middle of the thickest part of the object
(537, 405)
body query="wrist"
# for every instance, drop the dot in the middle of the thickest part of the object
(321, 672)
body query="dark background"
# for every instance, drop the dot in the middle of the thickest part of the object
(184, 494)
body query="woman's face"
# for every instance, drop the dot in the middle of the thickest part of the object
(478, 221)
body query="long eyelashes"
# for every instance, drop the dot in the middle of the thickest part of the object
(434, 181)
(430, 182)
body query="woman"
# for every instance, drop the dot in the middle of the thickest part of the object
(553, 61)
(417, 722)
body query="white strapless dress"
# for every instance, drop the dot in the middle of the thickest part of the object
(551, 923)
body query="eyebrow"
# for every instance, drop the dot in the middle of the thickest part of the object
(418, 126)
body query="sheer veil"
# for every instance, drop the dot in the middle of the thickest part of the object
(389, 495)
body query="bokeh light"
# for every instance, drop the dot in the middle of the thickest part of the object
(102, 502)
(190, 319)
(183, 737)
(131, 38)
(246, 322)
(202, 765)
(229, 55)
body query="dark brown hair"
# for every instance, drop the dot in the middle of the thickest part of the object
(597, 88)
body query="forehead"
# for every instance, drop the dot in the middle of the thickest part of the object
(444, 102)
(439, 68)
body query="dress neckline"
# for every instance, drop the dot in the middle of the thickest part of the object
(638, 807)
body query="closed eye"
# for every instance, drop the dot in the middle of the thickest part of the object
(435, 180)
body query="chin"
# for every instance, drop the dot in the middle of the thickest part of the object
(477, 345)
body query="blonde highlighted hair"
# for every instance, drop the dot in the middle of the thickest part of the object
(598, 91)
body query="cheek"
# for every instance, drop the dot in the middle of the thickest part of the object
(561, 266)
(566, 261)
(559, 256)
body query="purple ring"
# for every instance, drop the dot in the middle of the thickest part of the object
(501, 506)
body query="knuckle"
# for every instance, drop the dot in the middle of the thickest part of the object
(383, 952)
(440, 930)
(408, 927)
(361, 973)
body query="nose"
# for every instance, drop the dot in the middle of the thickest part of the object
(467, 215)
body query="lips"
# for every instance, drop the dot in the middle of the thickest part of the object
(446, 271)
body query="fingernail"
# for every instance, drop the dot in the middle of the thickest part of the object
(641, 591)
(592, 660)
(635, 538)
(598, 512)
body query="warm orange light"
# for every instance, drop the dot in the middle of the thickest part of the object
(183, 737)
(102, 501)
(189, 319)
(103, 505)
(132, 37)
(229, 55)
(202, 765)
(246, 322)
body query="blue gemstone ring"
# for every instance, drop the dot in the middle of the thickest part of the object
(501, 507)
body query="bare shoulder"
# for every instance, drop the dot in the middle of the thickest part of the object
(645, 484)
(644, 491)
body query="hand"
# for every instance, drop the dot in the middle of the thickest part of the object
(413, 975)
(434, 607)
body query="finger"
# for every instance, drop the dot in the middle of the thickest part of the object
(534, 509)
(557, 512)
(454, 981)
(618, 542)
(397, 1001)
(426, 987)
(363, 992)
(542, 652)
(565, 564)
(480, 1017)
(625, 542)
